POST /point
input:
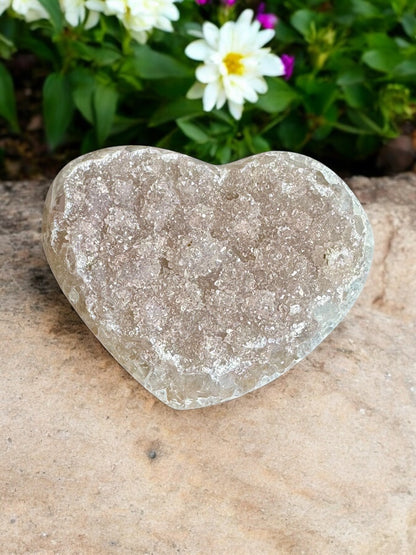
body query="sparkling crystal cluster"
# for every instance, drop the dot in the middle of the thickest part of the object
(205, 282)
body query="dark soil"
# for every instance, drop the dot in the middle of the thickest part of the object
(26, 155)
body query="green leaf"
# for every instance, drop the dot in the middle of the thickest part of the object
(405, 69)
(7, 99)
(55, 13)
(131, 80)
(350, 129)
(367, 123)
(124, 123)
(292, 132)
(380, 41)
(224, 154)
(384, 60)
(102, 56)
(179, 108)
(408, 22)
(301, 20)
(328, 120)
(351, 76)
(104, 108)
(149, 64)
(398, 6)
(319, 95)
(260, 144)
(89, 142)
(7, 48)
(278, 97)
(357, 95)
(224, 116)
(58, 107)
(83, 84)
(364, 9)
(218, 128)
(172, 140)
(38, 47)
(170, 89)
(284, 33)
(192, 131)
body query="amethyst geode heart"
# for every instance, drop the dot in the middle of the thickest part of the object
(205, 282)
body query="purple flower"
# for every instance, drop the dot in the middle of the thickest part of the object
(289, 63)
(266, 20)
(202, 2)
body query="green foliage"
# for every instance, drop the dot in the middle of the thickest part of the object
(149, 64)
(56, 17)
(104, 103)
(354, 82)
(57, 107)
(278, 97)
(7, 102)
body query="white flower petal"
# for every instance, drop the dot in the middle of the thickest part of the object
(249, 93)
(30, 10)
(221, 99)
(73, 17)
(271, 65)
(196, 91)
(259, 85)
(198, 50)
(210, 96)
(263, 37)
(171, 12)
(248, 29)
(225, 40)
(164, 24)
(139, 17)
(251, 65)
(92, 20)
(140, 36)
(207, 73)
(211, 34)
(97, 5)
(116, 7)
(233, 89)
(236, 109)
(245, 18)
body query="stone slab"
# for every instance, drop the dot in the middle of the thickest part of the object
(320, 461)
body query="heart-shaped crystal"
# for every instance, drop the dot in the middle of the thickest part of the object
(205, 282)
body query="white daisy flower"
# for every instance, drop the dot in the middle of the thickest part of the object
(30, 10)
(235, 63)
(139, 16)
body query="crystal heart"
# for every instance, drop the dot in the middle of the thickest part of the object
(205, 282)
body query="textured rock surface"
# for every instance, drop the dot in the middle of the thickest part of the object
(205, 282)
(320, 461)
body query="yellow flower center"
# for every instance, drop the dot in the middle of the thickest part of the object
(233, 63)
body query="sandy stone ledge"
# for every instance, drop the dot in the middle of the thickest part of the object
(322, 461)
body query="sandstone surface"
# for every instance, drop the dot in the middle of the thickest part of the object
(206, 282)
(320, 461)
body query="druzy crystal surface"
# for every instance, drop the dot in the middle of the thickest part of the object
(205, 282)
